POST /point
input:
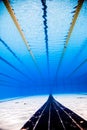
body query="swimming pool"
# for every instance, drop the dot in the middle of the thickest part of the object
(43, 47)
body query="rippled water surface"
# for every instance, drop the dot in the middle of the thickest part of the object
(43, 47)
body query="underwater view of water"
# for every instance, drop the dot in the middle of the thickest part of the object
(43, 47)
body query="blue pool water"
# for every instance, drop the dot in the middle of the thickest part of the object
(43, 47)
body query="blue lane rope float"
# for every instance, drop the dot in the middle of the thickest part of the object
(13, 53)
(12, 66)
(10, 50)
(7, 5)
(10, 77)
(78, 67)
(45, 29)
